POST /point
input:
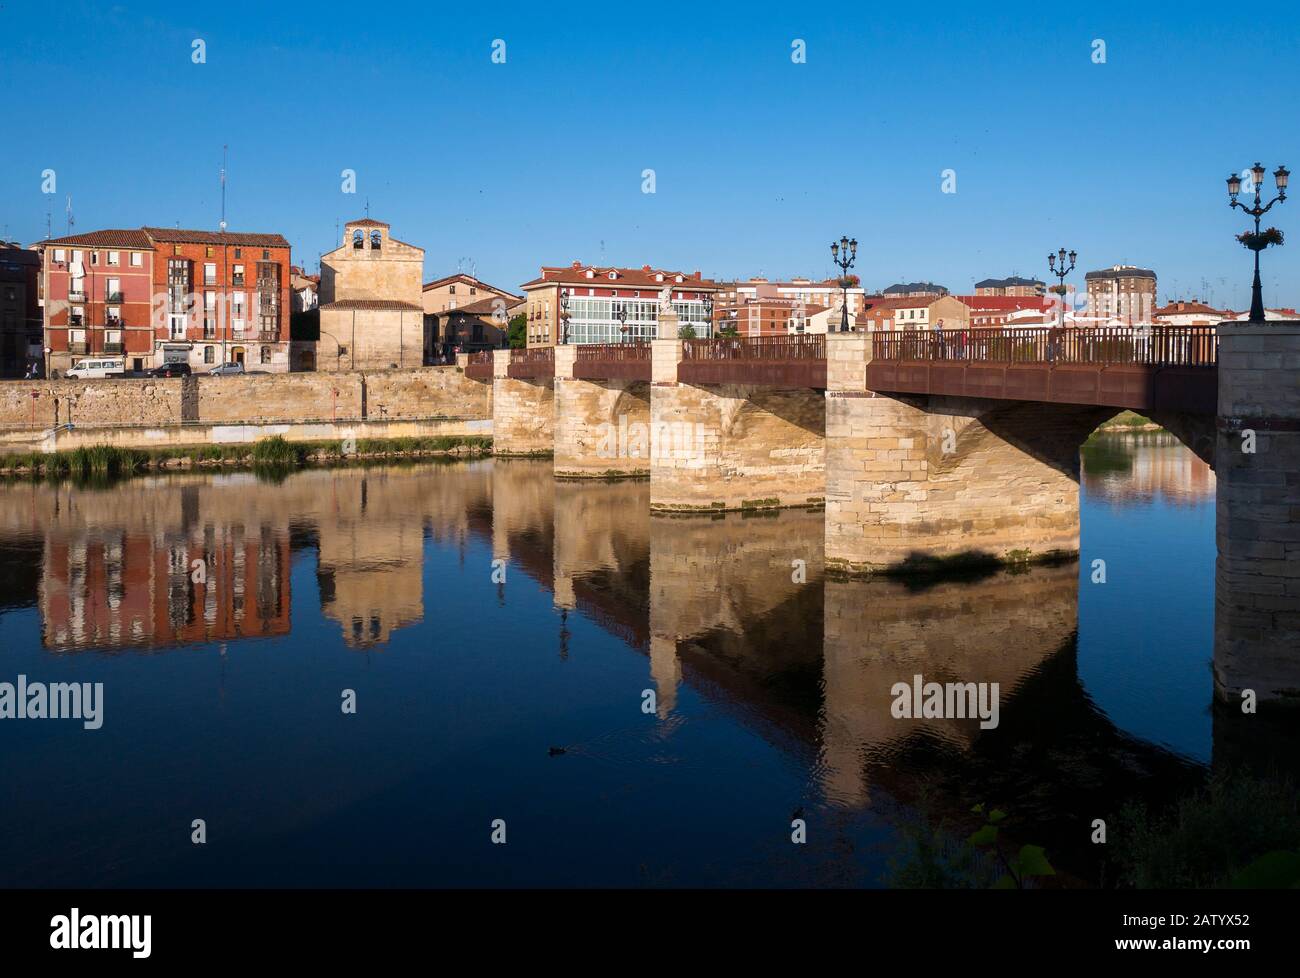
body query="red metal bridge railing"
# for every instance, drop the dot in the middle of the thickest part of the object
(1157, 346)
(796, 347)
(615, 352)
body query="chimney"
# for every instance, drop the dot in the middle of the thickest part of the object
(576, 264)
(698, 276)
(645, 268)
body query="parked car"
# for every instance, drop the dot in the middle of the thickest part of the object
(170, 370)
(227, 370)
(91, 367)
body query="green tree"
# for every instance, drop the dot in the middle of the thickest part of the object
(686, 332)
(729, 330)
(518, 332)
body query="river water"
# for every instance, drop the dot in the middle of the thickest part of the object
(639, 701)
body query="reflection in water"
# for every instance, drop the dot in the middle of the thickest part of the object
(772, 684)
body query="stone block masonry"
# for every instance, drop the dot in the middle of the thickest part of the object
(1257, 464)
(602, 427)
(427, 392)
(523, 412)
(716, 447)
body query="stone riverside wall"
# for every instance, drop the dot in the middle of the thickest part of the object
(1257, 578)
(376, 395)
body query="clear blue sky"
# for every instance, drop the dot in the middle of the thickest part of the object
(759, 162)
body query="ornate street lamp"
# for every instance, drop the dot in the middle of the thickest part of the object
(564, 316)
(844, 253)
(708, 312)
(1257, 241)
(621, 315)
(1056, 262)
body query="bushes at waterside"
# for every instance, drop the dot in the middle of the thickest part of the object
(107, 461)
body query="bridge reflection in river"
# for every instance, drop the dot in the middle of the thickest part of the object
(746, 640)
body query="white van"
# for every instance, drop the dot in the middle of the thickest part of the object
(102, 367)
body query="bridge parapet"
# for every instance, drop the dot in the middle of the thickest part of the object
(797, 360)
(1155, 368)
(613, 361)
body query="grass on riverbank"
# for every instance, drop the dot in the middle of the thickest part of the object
(108, 461)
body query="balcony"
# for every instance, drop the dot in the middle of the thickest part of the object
(78, 347)
(112, 347)
(76, 295)
(113, 297)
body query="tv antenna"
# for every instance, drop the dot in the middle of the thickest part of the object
(224, 154)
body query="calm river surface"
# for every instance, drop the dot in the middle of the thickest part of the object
(771, 696)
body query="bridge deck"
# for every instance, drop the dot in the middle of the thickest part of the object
(612, 361)
(773, 361)
(1169, 368)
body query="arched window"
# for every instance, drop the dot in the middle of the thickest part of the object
(375, 239)
(358, 239)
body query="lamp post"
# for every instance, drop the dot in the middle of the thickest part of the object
(844, 253)
(1056, 262)
(707, 298)
(1255, 242)
(621, 315)
(564, 316)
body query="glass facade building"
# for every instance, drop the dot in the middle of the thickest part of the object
(592, 320)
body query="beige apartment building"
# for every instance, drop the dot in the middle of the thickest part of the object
(371, 316)
(1013, 285)
(916, 312)
(463, 311)
(1122, 292)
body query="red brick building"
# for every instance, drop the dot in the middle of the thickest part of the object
(156, 295)
(20, 310)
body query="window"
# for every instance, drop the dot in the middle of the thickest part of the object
(94, 257)
(115, 258)
(210, 273)
(266, 354)
(60, 254)
(208, 251)
(266, 254)
(239, 275)
(375, 240)
(114, 290)
(209, 354)
(451, 290)
(137, 259)
(358, 239)
(77, 255)
(176, 249)
(239, 252)
(473, 291)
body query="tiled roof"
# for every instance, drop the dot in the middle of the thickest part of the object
(371, 304)
(468, 280)
(190, 236)
(484, 307)
(628, 278)
(1004, 283)
(1184, 308)
(1001, 302)
(914, 287)
(367, 222)
(1121, 271)
(110, 238)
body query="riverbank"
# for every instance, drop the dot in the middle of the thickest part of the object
(99, 461)
(1129, 421)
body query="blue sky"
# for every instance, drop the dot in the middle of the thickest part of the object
(759, 162)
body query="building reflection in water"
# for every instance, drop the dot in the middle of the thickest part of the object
(1125, 468)
(737, 609)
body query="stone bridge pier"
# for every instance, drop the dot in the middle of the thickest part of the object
(1257, 575)
(602, 423)
(914, 480)
(523, 409)
(731, 445)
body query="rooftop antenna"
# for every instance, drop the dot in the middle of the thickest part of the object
(337, 240)
(48, 225)
(367, 207)
(224, 149)
(68, 211)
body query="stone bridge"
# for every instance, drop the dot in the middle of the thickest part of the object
(931, 450)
